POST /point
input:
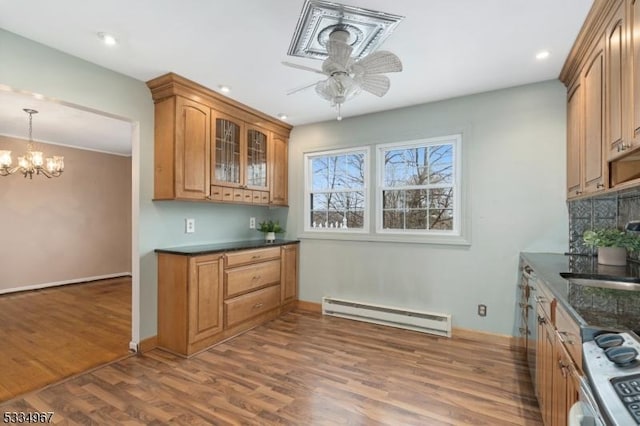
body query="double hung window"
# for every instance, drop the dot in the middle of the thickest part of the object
(417, 193)
(336, 191)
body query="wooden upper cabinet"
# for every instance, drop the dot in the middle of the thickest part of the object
(279, 171)
(183, 136)
(616, 83)
(575, 140)
(209, 147)
(594, 159)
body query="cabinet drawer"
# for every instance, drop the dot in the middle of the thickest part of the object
(238, 195)
(569, 333)
(216, 193)
(250, 256)
(244, 278)
(247, 306)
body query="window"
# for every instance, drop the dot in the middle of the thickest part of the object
(418, 190)
(336, 191)
(417, 198)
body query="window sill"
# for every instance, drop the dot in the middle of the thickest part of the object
(451, 240)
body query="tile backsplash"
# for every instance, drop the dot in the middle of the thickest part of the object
(612, 210)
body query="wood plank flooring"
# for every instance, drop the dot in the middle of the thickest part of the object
(50, 334)
(304, 369)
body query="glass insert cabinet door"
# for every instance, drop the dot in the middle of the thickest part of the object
(227, 156)
(256, 171)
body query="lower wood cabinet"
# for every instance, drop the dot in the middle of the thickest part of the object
(204, 299)
(558, 360)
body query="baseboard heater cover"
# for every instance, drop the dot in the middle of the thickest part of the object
(425, 322)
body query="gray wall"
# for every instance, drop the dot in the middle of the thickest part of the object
(515, 147)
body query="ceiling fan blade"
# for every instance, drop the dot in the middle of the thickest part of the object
(302, 67)
(301, 88)
(378, 62)
(375, 84)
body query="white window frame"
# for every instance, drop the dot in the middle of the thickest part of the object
(308, 157)
(456, 142)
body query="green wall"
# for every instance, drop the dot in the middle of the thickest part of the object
(32, 67)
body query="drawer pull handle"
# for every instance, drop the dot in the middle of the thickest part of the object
(257, 305)
(564, 336)
(256, 277)
(256, 256)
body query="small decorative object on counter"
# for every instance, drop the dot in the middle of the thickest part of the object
(612, 245)
(270, 229)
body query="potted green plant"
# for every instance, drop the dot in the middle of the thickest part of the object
(612, 245)
(270, 229)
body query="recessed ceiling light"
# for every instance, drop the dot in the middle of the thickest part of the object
(282, 116)
(224, 89)
(108, 39)
(543, 54)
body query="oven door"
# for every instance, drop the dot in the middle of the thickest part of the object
(585, 412)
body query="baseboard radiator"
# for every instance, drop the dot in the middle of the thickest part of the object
(425, 322)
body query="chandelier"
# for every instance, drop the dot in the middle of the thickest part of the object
(32, 162)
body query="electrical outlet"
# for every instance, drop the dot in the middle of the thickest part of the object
(252, 223)
(482, 310)
(189, 226)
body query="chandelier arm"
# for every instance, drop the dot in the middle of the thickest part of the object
(44, 172)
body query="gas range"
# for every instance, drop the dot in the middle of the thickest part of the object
(612, 365)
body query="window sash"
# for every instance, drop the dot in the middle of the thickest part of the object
(364, 189)
(454, 185)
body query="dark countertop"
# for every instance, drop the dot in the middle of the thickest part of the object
(201, 249)
(589, 305)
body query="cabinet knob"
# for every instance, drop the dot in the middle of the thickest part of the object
(578, 192)
(258, 305)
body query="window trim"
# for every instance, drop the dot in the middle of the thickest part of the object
(308, 157)
(368, 234)
(453, 139)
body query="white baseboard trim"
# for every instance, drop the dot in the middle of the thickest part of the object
(65, 282)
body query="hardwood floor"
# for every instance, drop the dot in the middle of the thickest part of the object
(50, 334)
(304, 369)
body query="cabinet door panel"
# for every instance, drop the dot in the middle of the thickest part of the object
(205, 297)
(227, 156)
(289, 273)
(193, 136)
(257, 149)
(279, 177)
(615, 78)
(594, 163)
(574, 141)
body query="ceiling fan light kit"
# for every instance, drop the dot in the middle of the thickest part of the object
(345, 37)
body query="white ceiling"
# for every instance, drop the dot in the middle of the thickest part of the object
(448, 48)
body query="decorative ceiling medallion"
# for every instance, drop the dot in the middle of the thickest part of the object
(367, 28)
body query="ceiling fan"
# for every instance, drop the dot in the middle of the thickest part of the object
(347, 77)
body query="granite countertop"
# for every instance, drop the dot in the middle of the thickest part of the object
(200, 249)
(589, 305)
